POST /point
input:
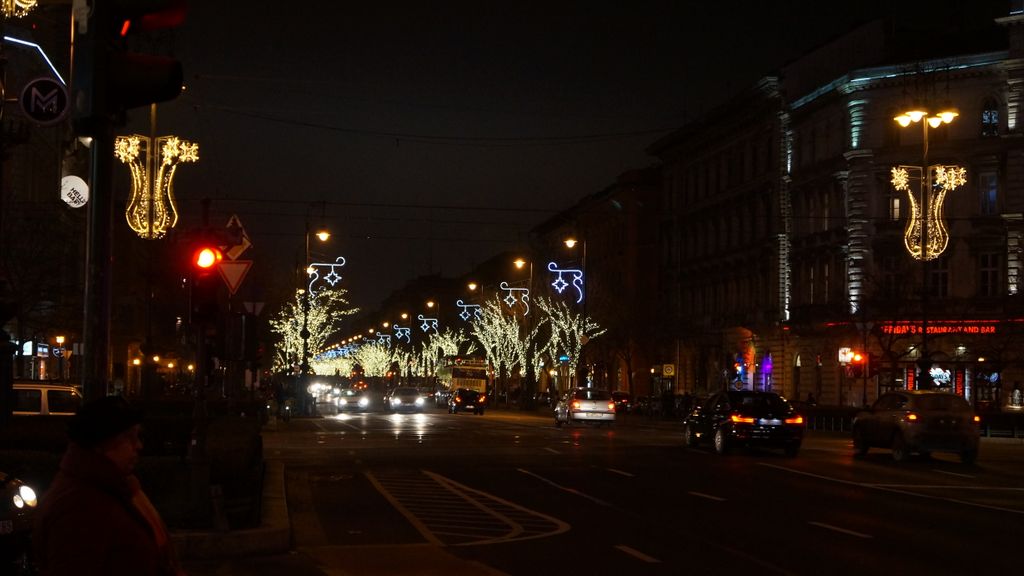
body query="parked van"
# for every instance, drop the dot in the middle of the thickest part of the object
(34, 398)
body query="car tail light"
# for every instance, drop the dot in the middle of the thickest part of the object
(611, 405)
(795, 420)
(977, 419)
(482, 399)
(576, 405)
(737, 419)
(911, 416)
(458, 400)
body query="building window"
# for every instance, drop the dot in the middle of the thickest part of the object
(938, 278)
(988, 187)
(990, 118)
(895, 203)
(825, 278)
(990, 272)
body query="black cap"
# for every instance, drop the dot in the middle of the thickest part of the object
(102, 419)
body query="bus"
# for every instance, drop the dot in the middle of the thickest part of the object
(460, 372)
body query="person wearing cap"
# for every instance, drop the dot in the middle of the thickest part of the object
(95, 519)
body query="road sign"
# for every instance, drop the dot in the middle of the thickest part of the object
(235, 251)
(668, 369)
(233, 272)
(44, 100)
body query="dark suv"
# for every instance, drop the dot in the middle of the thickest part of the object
(745, 418)
(918, 421)
(464, 399)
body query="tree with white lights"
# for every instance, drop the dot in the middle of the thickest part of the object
(497, 332)
(569, 331)
(375, 358)
(326, 310)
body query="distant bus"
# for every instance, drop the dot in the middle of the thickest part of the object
(469, 373)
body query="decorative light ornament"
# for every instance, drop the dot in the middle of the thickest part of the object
(428, 323)
(560, 284)
(511, 298)
(151, 210)
(332, 277)
(383, 338)
(403, 332)
(945, 180)
(466, 314)
(17, 8)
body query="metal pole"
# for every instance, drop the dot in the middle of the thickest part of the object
(924, 362)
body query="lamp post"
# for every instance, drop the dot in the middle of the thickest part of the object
(60, 356)
(526, 395)
(921, 242)
(323, 235)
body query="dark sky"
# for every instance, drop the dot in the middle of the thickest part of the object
(438, 133)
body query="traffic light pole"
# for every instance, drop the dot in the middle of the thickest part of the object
(98, 264)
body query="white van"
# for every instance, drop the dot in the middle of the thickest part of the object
(35, 398)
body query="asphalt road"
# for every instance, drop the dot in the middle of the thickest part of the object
(509, 493)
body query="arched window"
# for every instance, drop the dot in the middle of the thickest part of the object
(990, 118)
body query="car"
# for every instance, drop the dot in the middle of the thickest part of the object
(41, 398)
(464, 399)
(585, 405)
(354, 400)
(623, 401)
(745, 418)
(405, 398)
(918, 421)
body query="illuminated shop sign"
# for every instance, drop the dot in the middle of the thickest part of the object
(900, 328)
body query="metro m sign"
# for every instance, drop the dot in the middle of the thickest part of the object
(44, 100)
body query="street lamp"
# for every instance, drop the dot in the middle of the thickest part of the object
(925, 235)
(60, 356)
(571, 243)
(322, 235)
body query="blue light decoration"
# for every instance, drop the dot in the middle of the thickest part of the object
(383, 338)
(428, 323)
(332, 276)
(560, 284)
(511, 298)
(466, 314)
(403, 332)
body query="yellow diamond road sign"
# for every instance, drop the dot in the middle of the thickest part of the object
(235, 251)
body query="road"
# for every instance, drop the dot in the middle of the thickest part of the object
(509, 493)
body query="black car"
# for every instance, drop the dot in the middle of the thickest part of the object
(745, 418)
(464, 399)
(623, 401)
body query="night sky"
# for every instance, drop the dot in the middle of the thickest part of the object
(439, 133)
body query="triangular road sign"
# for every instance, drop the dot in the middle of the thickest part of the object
(233, 252)
(233, 272)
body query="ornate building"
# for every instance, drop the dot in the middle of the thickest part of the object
(787, 250)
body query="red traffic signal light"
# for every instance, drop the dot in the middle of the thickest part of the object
(206, 257)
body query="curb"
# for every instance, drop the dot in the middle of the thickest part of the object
(273, 536)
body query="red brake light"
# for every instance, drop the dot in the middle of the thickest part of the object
(795, 420)
(977, 419)
(737, 419)
(611, 405)
(457, 399)
(482, 398)
(576, 404)
(911, 416)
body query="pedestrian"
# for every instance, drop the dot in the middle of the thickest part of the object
(95, 519)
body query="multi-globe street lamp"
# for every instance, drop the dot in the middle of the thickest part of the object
(925, 235)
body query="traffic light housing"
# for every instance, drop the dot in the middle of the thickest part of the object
(857, 362)
(206, 257)
(108, 78)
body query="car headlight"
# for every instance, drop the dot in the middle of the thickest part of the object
(419, 401)
(364, 402)
(26, 496)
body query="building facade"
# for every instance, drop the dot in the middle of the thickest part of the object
(786, 246)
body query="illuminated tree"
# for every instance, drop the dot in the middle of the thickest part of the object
(375, 358)
(569, 331)
(326, 309)
(497, 332)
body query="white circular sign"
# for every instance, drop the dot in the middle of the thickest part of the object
(74, 191)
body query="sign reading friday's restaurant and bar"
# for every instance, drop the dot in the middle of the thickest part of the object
(944, 327)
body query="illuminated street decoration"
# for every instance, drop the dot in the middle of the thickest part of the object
(403, 332)
(428, 323)
(511, 298)
(332, 276)
(17, 8)
(383, 338)
(945, 180)
(151, 210)
(560, 284)
(466, 314)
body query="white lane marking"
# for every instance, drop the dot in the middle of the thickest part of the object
(896, 489)
(708, 496)
(638, 554)
(840, 530)
(566, 488)
(552, 450)
(953, 473)
(622, 472)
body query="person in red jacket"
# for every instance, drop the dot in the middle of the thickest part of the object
(95, 519)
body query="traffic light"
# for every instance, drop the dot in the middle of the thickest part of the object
(206, 257)
(108, 78)
(857, 365)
